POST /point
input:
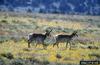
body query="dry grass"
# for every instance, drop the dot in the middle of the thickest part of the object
(42, 22)
(20, 50)
(60, 23)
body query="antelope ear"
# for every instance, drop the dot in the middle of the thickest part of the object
(46, 30)
(76, 35)
(50, 30)
(75, 31)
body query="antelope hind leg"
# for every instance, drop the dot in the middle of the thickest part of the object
(29, 45)
(70, 46)
(29, 41)
(44, 46)
(58, 45)
(66, 44)
(36, 45)
(54, 44)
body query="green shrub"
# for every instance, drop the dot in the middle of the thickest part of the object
(4, 21)
(7, 55)
(33, 60)
(14, 21)
(4, 38)
(46, 62)
(98, 25)
(17, 62)
(58, 56)
(67, 30)
(4, 61)
(94, 55)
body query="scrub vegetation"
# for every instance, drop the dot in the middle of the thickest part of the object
(15, 28)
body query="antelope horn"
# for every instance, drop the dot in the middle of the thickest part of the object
(50, 30)
(75, 31)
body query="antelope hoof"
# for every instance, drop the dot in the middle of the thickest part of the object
(53, 45)
(57, 46)
(70, 48)
(45, 48)
(29, 47)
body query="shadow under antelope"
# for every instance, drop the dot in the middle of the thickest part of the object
(38, 38)
(65, 38)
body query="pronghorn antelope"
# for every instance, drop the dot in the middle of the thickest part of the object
(65, 38)
(38, 38)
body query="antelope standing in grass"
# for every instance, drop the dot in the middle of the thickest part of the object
(38, 38)
(65, 38)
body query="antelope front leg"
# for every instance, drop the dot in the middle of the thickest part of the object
(29, 45)
(70, 45)
(67, 44)
(56, 44)
(44, 46)
(36, 45)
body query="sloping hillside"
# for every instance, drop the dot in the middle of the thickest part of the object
(20, 25)
(83, 7)
(15, 28)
